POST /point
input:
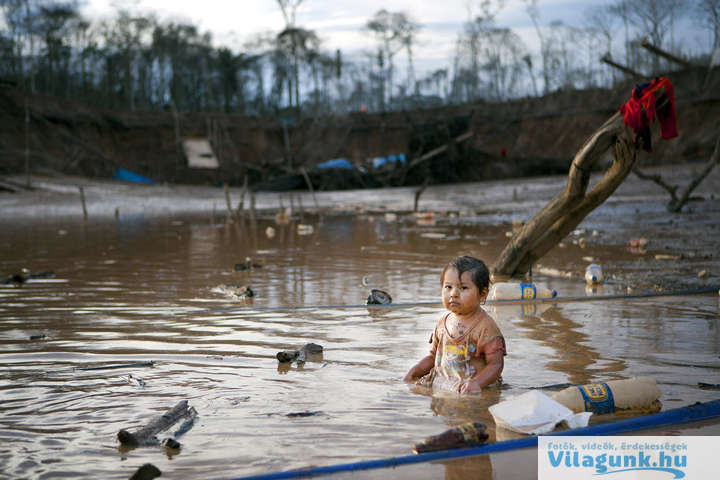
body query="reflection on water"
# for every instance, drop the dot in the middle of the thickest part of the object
(140, 290)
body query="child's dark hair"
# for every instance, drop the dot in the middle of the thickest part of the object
(477, 268)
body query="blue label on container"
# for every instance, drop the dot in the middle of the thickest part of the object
(528, 291)
(598, 398)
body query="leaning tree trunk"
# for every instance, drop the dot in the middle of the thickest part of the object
(568, 209)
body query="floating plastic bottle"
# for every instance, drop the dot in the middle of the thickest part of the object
(519, 291)
(467, 434)
(593, 274)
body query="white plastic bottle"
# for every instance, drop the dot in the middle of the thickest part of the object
(593, 274)
(519, 291)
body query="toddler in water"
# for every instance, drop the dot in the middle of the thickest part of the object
(467, 347)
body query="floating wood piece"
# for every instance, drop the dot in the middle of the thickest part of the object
(606, 59)
(188, 423)
(645, 43)
(465, 435)
(146, 435)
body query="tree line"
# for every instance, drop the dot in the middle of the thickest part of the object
(140, 62)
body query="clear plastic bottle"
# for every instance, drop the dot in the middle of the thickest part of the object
(593, 274)
(519, 291)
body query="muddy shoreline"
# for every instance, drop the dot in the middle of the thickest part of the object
(679, 251)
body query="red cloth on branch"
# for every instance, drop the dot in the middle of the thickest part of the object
(640, 111)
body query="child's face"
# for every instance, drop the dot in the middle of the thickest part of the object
(460, 295)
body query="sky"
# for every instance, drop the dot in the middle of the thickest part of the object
(341, 24)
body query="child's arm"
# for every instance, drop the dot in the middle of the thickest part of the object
(487, 375)
(421, 368)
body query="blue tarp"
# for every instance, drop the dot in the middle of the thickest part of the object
(343, 163)
(380, 161)
(128, 176)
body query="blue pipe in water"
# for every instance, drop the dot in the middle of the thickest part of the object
(692, 413)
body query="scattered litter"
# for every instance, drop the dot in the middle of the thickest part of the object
(135, 381)
(38, 337)
(663, 256)
(702, 274)
(366, 280)
(519, 291)
(582, 242)
(465, 435)
(640, 393)
(637, 242)
(552, 272)
(378, 297)
(270, 232)
(283, 217)
(588, 259)
(390, 217)
(517, 224)
(238, 291)
(534, 413)
(593, 274)
(303, 229)
(436, 235)
(246, 265)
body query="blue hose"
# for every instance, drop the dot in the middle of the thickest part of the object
(692, 413)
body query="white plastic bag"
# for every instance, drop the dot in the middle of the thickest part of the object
(535, 413)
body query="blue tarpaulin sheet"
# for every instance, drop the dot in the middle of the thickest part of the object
(343, 163)
(380, 161)
(128, 176)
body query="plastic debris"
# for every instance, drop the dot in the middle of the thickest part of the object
(534, 413)
(378, 297)
(593, 274)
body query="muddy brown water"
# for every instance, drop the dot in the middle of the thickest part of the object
(144, 287)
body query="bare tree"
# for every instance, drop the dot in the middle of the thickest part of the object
(599, 19)
(654, 18)
(707, 13)
(394, 31)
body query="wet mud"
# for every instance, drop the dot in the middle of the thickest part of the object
(138, 284)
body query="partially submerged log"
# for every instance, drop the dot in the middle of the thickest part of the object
(147, 435)
(568, 209)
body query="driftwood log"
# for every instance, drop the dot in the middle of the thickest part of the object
(563, 213)
(147, 435)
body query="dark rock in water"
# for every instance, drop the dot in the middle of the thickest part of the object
(171, 443)
(378, 297)
(146, 472)
(287, 355)
(299, 355)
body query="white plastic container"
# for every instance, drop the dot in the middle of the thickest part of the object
(519, 291)
(593, 274)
